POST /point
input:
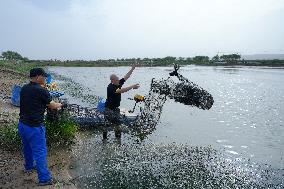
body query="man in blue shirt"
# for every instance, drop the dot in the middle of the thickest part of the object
(34, 99)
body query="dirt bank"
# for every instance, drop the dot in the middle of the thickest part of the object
(13, 176)
(11, 163)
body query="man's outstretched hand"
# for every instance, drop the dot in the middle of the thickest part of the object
(134, 65)
(135, 86)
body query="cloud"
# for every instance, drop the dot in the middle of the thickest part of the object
(135, 28)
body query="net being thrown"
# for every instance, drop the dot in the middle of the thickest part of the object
(150, 114)
(183, 91)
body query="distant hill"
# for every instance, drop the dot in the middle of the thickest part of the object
(263, 57)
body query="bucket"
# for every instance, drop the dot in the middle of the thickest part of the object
(101, 104)
(15, 98)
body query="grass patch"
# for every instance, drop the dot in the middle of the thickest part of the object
(61, 131)
(16, 66)
(9, 137)
(58, 133)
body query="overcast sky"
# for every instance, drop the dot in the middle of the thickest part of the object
(95, 29)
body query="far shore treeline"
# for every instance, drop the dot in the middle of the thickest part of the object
(13, 57)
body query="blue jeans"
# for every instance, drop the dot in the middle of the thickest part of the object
(34, 149)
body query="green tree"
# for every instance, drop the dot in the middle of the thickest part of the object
(25, 59)
(216, 58)
(169, 59)
(201, 59)
(231, 58)
(188, 60)
(12, 55)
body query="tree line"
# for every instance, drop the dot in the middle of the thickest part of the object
(228, 59)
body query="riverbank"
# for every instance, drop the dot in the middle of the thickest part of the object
(11, 162)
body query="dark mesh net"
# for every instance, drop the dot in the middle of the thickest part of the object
(150, 114)
(188, 93)
(183, 91)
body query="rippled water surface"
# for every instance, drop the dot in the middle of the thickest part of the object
(238, 142)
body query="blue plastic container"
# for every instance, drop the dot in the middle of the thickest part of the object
(101, 104)
(48, 79)
(15, 98)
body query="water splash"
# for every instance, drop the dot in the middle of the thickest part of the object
(166, 166)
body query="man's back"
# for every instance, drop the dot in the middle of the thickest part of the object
(33, 101)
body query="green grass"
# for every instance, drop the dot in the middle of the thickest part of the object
(61, 131)
(9, 137)
(20, 67)
(58, 133)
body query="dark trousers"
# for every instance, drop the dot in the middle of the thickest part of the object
(113, 117)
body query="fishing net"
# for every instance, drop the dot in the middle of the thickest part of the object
(150, 114)
(183, 91)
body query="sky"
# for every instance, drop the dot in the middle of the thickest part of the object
(103, 29)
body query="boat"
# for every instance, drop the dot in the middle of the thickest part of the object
(85, 116)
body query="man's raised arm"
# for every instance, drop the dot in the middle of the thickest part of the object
(129, 72)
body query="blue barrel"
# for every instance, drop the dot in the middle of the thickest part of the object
(101, 104)
(15, 98)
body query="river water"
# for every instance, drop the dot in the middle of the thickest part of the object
(242, 133)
